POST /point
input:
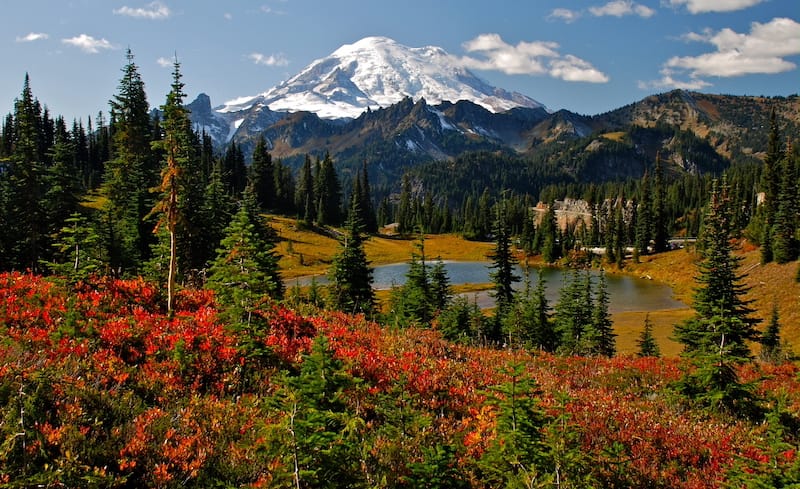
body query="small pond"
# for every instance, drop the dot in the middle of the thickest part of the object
(627, 293)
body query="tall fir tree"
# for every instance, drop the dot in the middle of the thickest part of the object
(177, 149)
(599, 337)
(503, 261)
(770, 186)
(130, 173)
(644, 220)
(368, 208)
(305, 199)
(785, 246)
(328, 191)
(262, 176)
(717, 338)
(29, 235)
(659, 213)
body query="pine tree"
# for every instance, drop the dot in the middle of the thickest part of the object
(262, 176)
(659, 213)
(177, 151)
(28, 234)
(130, 173)
(61, 197)
(518, 455)
(771, 346)
(770, 184)
(573, 312)
(328, 191)
(405, 217)
(411, 303)
(234, 170)
(216, 212)
(78, 253)
(503, 262)
(305, 200)
(441, 293)
(350, 274)
(243, 274)
(598, 338)
(648, 347)
(367, 208)
(549, 240)
(716, 339)
(785, 246)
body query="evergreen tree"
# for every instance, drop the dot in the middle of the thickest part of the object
(461, 320)
(648, 347)
(785, 246)
(350, 274)
(573, 312)
(234, 170)
(318, 423)
(716, 339)
(78, 253)
(503, 262)
(770, 185)
(216, 212)
(28, 233)
(305, 199)
(771, 346)
(130, 173)
(517, 457)
(440, 291)
(367, 208)
(243, 274)
(262, 176)
(61, 197)
(644, 222)
(549, 239)
(411, 303)
(659, 214)
(598, 338)
(405, 217)
(176, 147)
(329, 194)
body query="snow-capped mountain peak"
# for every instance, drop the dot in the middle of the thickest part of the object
(378, 72)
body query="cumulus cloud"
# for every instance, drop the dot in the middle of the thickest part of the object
(88, 44)
(621, 8)
(761, 51)
(165, 62)
(268, 60)
(151, 11)
(703, 6)
(32, 36)
(565, 14)
(528, 58)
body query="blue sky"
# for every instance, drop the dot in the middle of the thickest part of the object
(584, 56)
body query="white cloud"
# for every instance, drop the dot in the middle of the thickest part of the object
(32, 36)
(703, 6)
(228, 16)
(268, 60)
(572, 68)
(528, 58)
(165, 62)
(761, 51)
(152, 11)
(88, 43)
(620, 8)
(565, 14)
(668, 81)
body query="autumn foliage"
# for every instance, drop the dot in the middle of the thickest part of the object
(100, 387)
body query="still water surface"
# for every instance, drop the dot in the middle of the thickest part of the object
(627, 293)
